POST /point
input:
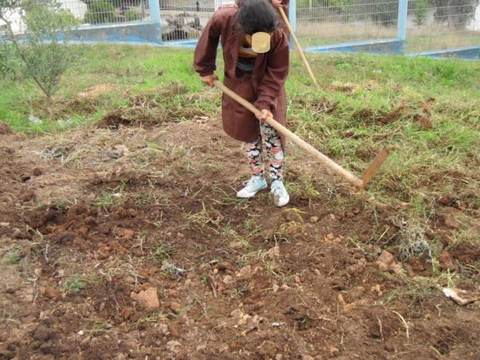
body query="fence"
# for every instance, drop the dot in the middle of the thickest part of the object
(435, 27)
(431, 27)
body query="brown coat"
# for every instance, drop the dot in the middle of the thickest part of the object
(265, 88)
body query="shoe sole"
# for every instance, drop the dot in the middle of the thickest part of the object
(252, 194)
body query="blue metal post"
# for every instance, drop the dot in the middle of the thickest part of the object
(292, 16)
(154, 6)
(402, 19)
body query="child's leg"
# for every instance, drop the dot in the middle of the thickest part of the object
(275, 154)
(276, 159)
(257, 182)
(255, 157)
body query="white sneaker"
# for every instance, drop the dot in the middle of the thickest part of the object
(252, 186)
(280, 195)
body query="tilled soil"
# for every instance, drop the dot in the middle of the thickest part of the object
(128, 242)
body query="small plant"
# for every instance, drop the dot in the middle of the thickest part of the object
(390, 297)
(161, 252)
(74, 286)
(117, 197)
(105, 201)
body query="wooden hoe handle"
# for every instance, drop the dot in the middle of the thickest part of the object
(301, 143)
(299, 48)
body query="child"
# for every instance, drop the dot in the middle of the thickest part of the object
(256, 55)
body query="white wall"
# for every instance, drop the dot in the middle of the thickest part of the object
(15, 20)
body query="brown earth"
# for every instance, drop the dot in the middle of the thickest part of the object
(126, 241)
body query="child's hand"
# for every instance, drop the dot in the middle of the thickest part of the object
(209, 79)
(264, 114)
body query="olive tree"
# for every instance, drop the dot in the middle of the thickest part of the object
(42, 52)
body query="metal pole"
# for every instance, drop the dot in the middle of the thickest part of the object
(154, 6)
(292, 17)
(402, 19)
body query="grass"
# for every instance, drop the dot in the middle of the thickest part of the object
(116, 197)
(13, 255)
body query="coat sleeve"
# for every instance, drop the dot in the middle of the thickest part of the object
(276, 72)
(205, 55)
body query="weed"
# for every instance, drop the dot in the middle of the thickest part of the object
(13, 255)
(241, 290)
(74, 286)
(116, 197)
(152, 317)
(227, 198)
(205, 217)
(161, 252)
(231, 235)
(447, 279)
(105, 201)
(390, 297)
(95, 326)
(412, 239)
(419, 289)
(171, 268)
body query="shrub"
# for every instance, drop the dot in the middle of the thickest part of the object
(132, 15)
(421, 12)
(100, 12)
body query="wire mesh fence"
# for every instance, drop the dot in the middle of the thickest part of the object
(426, 24)
(442, 25)
(329, 22)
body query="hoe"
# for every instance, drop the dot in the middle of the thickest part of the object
(358, 183)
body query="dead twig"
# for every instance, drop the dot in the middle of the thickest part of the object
(211, 283)
(381, 329)
(403, 322)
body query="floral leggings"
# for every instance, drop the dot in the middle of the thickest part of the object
(275, 153)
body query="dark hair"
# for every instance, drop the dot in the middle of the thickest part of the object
(257, 15)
